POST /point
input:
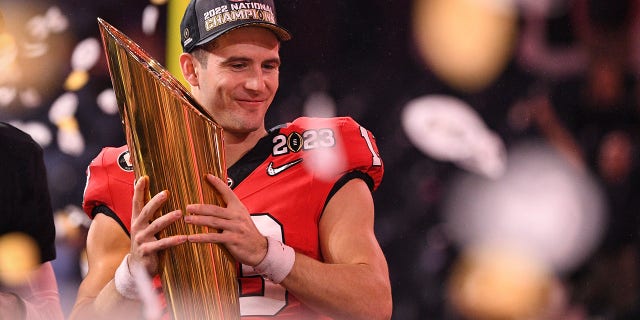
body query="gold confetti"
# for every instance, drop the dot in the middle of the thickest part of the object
(466, 43)
(68, 124)
(76, 80)
(19, 256)
(498, 283)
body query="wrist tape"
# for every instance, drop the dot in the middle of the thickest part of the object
(124, 281)
(278, 262)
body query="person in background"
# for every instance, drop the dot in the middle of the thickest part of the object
(26, 217)
(592, 117)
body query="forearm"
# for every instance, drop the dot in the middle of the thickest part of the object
(107, 247)
(109, 304)
(110, 301)
(341, 291)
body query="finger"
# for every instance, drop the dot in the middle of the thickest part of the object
(149, 210)
(227, 194)
(159, 224)
(212, 222)
(140, 189)
(153, 247)
(208, 210)
(206, 238)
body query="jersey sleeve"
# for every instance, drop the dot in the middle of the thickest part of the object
(337, 149)
(360, 150)
(109, 187)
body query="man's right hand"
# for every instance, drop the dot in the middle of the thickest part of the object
(144, 244)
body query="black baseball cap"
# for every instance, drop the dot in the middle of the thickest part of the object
(205, 20)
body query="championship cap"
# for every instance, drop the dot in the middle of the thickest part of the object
(205, 20)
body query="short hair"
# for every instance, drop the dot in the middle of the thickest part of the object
(200, 52)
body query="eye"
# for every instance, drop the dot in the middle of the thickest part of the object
(271, 66)
(238, 65)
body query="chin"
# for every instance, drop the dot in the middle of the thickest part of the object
(242, 129)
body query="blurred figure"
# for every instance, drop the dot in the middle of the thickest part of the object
(609, 285)
(593, 119)
(545, 51)
(575, 110)
(558, 37)
(615, 163)
(28, 287)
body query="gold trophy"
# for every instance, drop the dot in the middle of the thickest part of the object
(174, 141)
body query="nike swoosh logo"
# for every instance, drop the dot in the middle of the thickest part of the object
(272, 171)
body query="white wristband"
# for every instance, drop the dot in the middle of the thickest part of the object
(278, 261)
(124, 281)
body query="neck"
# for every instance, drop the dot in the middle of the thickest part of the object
(237, 145)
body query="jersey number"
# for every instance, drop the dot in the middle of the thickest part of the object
(273, 298)
(376, 161)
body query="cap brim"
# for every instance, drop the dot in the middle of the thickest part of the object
(281, 33)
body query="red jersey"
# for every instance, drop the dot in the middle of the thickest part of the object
(285, 182)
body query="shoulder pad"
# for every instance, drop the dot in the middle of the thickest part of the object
(110, 179)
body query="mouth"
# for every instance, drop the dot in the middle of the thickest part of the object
(250, 102)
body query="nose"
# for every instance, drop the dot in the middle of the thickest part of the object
(255, 80)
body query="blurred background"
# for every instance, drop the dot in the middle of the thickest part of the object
(508, 129)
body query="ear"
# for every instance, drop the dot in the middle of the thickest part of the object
(188, 66)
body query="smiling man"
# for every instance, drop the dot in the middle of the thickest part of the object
(299, 226)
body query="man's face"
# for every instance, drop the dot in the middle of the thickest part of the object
(240, 79)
